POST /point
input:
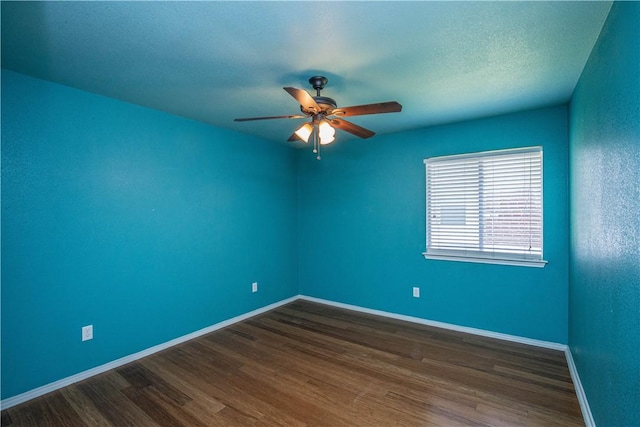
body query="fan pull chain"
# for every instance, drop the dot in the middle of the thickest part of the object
(316, 144)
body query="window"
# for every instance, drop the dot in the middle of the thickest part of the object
(486, 207)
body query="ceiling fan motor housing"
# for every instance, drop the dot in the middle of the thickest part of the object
(325, 103)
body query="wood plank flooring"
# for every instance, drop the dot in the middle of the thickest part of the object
(306, 364)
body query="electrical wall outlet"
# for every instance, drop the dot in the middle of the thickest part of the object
(254, 287)
(416, 292)
(87, 333)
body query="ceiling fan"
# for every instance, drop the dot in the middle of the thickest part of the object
(326, 116)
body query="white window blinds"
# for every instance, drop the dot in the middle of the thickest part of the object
(486, 207)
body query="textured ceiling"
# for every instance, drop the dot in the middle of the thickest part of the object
(214, 61)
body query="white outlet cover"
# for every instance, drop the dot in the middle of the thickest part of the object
(254, 287)
(416, 292)
(87, 333)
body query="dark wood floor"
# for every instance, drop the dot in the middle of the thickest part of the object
(310, 364)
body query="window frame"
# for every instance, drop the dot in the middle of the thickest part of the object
(478, 255)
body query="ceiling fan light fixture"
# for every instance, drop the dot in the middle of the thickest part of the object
(327, 141)
(304, 132)
(327, 132)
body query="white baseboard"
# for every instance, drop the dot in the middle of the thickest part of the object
(474, 331)
(37, 392)
(582, 397)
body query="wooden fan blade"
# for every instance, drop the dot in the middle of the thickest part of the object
(360, 110)
(306, 101)
(351, 128)
(248, 119)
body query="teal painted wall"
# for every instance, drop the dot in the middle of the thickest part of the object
(146, 225)
(362, 229)
(604, 311)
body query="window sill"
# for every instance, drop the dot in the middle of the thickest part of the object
(501, 261)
